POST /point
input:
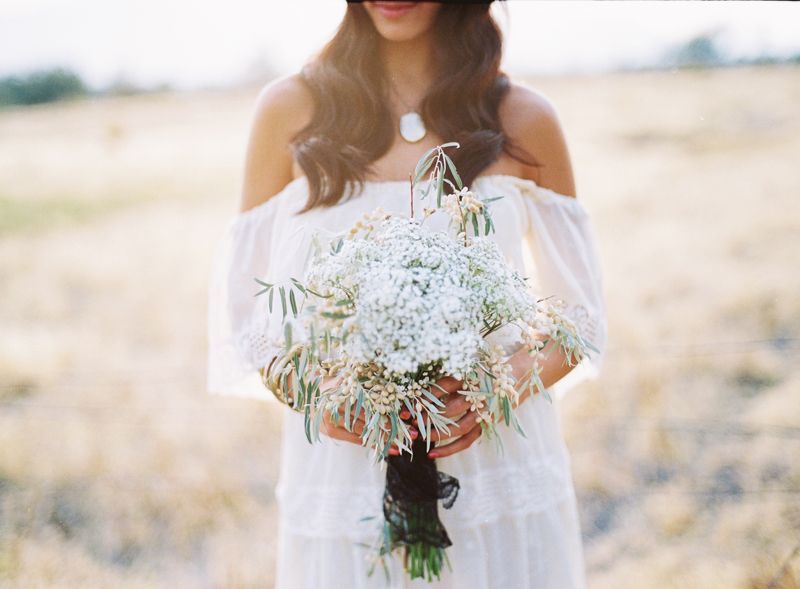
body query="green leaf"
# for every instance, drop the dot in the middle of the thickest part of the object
(287, 332)
(293, 302)
(266, 286)
(271, 292)
(453, 171)
(302, 397)
(420, 172)
(392, 433)
(359, 401)
(485, 369)
(317, 422)
(475, 224)
(307, 422)
(335, 315)
(313, 339)
(282, 292)
(428, 435)
(434, 399)
(316, 294)
(420, 421)
(439, 188)
(489, 223)
(424, 158)
(488, 382)
(427, 404)
(298, 285)
(347, 405)
(301, 369)
(518, 427)
(426, 191)
(369, 428)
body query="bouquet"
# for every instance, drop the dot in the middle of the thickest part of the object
(387, 310)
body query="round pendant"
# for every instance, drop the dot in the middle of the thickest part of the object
(412, 128)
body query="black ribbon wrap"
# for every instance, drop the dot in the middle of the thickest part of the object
(414, 486)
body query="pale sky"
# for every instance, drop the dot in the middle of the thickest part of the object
(190, 43)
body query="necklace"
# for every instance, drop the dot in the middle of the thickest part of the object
(412, 127)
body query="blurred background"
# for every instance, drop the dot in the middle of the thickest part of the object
(122, 134)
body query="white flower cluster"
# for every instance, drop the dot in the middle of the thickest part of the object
(456, 204)
(505, 295)
(416, 300)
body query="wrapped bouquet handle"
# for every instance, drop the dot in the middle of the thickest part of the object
(414, 486)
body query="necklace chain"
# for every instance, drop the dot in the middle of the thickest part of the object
(405, 104)
(412, 126)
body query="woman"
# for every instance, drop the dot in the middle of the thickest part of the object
(331, 143)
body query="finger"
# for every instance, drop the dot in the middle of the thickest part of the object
(464, 425)
(356, 427)
(394, 450)
(456, 405)
(449, 384)
(353, 418)
(330, 423)
(339, 433)
(460, 444)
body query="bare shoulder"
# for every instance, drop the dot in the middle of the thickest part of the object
(283, 107)
(531, 121)
(287, 97)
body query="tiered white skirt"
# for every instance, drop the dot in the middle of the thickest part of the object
(514, 525)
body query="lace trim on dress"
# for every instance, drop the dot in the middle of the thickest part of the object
(508, 490)
(586, 323)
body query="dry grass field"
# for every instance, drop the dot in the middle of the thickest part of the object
(117, 470)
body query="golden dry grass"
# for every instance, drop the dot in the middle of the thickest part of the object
(116, 470)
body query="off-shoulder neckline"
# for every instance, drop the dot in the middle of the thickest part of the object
(483, 177)
(532, 184)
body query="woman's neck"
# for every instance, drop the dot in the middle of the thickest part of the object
(409, 65)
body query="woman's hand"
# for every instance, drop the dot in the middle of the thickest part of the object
(334, 428)
(554, 366)
(467, 428)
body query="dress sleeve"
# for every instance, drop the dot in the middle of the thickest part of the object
(238, 320)
(565, 262)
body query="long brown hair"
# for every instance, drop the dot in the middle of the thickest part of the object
(352, 125)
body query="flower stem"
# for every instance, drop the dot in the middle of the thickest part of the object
(411, 190)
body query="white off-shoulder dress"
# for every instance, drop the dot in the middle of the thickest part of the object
(514, 524)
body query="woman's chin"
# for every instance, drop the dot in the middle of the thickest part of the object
(399, 34)
(402, 21)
